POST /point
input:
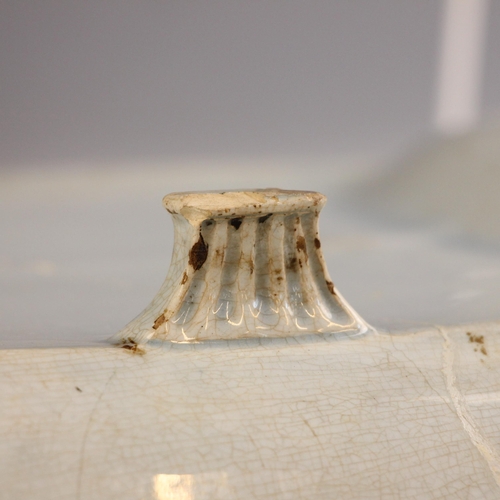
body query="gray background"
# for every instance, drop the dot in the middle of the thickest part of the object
(126, 80)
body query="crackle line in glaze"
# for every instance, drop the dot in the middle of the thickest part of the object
(245, 264)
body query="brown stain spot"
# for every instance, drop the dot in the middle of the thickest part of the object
(317, 243)
(250, 265)
(132, 346)
(159, 321)
(184, 278)
(301, 246)
(78, 389)
(219, 254)
(478, 339)
(264, 218)
(292, 264)
(330, 286)
(280, 278)
(236, 222)
(198, 254)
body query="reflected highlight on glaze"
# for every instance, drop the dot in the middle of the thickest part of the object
(202, 486)
(173, 487)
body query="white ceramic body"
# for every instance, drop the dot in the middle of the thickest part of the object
(383, 416)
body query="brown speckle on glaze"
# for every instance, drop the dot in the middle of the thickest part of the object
(132, 346)
(301, 246)
(478, 340)
(236, 222)
(198, 254)
(159, 321)
(292, 264)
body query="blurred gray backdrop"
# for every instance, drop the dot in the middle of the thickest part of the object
(130, 79)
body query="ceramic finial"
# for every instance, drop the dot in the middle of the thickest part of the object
(245, 264)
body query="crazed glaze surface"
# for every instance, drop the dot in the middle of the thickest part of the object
(413, 416)
(245, 264)
(318, 416)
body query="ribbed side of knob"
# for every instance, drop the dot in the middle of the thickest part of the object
(257, 275)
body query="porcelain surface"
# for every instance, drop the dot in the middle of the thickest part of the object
(414, 415)
(382, 416)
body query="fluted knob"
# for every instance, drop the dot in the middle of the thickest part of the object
(245, 264)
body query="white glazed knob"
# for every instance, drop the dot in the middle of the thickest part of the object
(245, 264)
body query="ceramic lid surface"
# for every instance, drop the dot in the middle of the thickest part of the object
(383, 416)
(411, 415)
